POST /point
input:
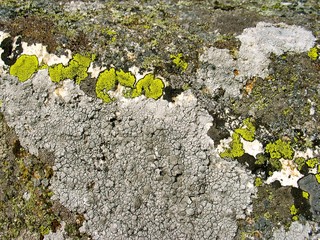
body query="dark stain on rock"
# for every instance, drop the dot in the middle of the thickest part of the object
(12, 48)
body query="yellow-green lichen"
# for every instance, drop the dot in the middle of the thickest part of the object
(300, 161)
(294, 211)
(313, 53)
(56, 72)
(75, 70)
(261, 159)
(258, 182)
(318, 177)
(280, 149)
(106, 82)
(25, 67)
(305, 195)
(126, 79)
(267, 215)
(179, 62)
(318, 174)
(312, 162)
(247, 131)
(276, 164)
(150, 86)
(236, 148)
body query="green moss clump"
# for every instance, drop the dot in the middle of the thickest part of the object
(126, 79)
(179, 62)
(150, 86)
(25, 206)
(312, 162)
(106, 81)
(25, 67)
(76, 69)
(236, 148)
(247, 132)
(280, 149)
(313, 53)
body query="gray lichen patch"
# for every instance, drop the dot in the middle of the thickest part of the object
(138, 168)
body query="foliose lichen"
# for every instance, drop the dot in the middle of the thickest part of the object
(105, 82)
(150, 86)
(24, 67)
(179, 62)
(76, 69)
(126, 79)
(312, 162)
(247, 131)
(280, 149)
(294, 212)
(236, 148)
(313, 53)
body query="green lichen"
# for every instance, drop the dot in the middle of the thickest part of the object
(294, 211)
(300, 161)
(260, 159)
(280, 149)
(318, 177)
(305, 195)
(179, 62)
(236, 148)
(126, 79)
(312, 162)
(247, 131)
(25, 67)
(150, 86)
(76, 69)
(56, 72)
(276, 164)
(318, 174)
(267, 215)
(313, 53)
(106, 81)
(186, 86)
(258, 182)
